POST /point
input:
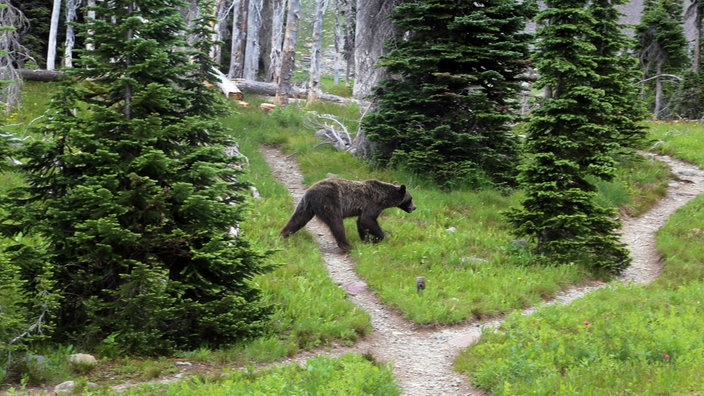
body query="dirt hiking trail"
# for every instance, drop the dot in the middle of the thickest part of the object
(422, 357)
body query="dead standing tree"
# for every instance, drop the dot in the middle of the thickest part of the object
(12, 53)
(253, 48)
(314, 84)
(288, 59)
(53, 32)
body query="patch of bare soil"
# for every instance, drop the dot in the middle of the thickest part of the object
(422, 357)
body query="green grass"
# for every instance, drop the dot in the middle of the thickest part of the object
(639, 184)
(620, 340)
(477, 270)
(624, 340)
(680, 139)
(347, 375)
(311, 310)
(457, 240)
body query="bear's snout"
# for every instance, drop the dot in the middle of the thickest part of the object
(410, 208)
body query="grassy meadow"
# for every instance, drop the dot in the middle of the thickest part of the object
(625, 340)
(474, 269)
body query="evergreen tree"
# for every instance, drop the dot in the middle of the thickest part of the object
(661, 48)
(446, 113)
(618, 74)
(571, 138)
(688, 102)
(136, 192)
(38, 12)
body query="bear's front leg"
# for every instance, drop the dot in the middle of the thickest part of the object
(362, 230)
(369, 225)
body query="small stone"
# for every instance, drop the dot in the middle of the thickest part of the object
(354, 287)
(465, 340)
(65, 387)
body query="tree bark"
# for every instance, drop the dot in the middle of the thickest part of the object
(288, 60)
(90, 16)
(53, 32)
(252, 50)
(339, 42)
(12, 54)
(41, 75)
(270, 89)
(71, 8)
(659, 100)
(314, 82)
(373, 29)
(239, 18)
(219, 11)
(697, 57)
(350, 13)
(277, 40)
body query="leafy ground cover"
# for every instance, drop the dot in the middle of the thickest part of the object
(618, 340)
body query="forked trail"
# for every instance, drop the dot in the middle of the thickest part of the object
(422, 357)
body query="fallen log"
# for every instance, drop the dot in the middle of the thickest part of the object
(41, 75)
(269, 89)
(228, 87)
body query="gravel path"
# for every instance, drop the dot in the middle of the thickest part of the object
(422, 357)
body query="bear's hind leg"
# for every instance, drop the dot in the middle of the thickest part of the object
(301, 216)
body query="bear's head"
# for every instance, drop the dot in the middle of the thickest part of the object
(407, 201)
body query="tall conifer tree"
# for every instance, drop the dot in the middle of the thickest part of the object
(136, 192)
(456, 70)
(573, 136)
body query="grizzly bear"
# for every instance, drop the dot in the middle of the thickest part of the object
(334, 199)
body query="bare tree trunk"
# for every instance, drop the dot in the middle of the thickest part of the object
(277, 40)
(373, 29)
(71, 8)
(191, 13)
(12, 53)
(339, 42)
(658, 91)
(220, 9)
(697, 57)
(288, 61)
(252, 50)
(314, 84)
(91, 15)
(53, 32)
(350, 12)
(239, 16)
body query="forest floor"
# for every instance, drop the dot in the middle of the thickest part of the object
(422, 356)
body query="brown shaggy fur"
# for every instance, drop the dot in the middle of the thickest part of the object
(335, 199)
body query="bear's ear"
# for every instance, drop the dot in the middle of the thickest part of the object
(402, 189)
